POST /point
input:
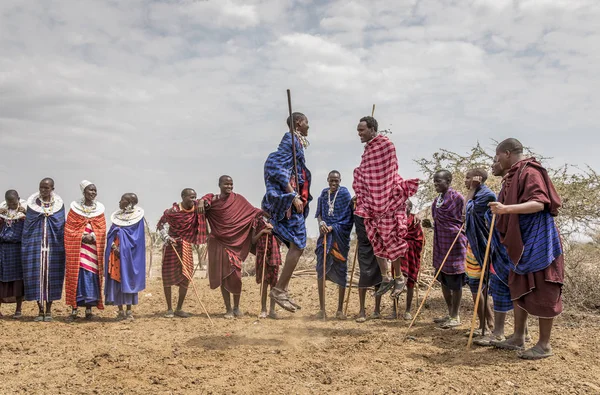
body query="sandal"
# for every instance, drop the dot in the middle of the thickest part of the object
(476, 333)
(451, 323)
(399, 286)
(384, 287)
(488, 341)
(182, 314)
(441, 320)
(282, 300)
(39, 318)
(129, 315)
(169, 314)
(293, 302)
(407, 316)
(361, 319)
(340, 315)
(48, 318)
(17, 315)
(505, 345)
(88, 314)
(535, 353)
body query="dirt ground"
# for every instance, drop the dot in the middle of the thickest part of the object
(295, 354)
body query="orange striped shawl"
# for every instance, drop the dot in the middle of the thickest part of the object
(74, 229)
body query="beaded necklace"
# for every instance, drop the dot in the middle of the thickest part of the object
(331, 203)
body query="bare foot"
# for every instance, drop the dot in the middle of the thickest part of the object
(237, 313)
(375, 316)
(273, 314)
(228, 315)
(263, 314)
(321, 315)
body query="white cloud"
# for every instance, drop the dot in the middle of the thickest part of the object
(154, 96)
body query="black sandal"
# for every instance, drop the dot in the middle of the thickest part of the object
(384, 287)
(399, 286)
(282, 300)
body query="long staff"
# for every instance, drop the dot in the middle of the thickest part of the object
(262, 283)
(481, 279)
(351, 278)
(324, 268)
(292, 132)
(433, 281)
(193, 286)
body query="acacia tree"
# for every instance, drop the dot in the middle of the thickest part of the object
(578, 188)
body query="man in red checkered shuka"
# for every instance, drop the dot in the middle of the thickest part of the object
(380, 215)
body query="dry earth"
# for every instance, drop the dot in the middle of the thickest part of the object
(296, 354)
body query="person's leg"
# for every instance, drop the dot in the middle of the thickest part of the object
(168, 297)
(362, 296)
(377, 311)
(236, 305)
(321, 313)
(18, 308)
(545, 332)
(227, 299)
(341, 294)
(409, 298)
(455, 308)
(182, 293)
(263, 300)
(399, 280)
(499, 321)
(447, 298)
(272, 312)
(291, 260)
(518, 337)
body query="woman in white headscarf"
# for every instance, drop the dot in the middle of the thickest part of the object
(85, 240)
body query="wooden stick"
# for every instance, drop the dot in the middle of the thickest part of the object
(292, 127)
(193, 286)
(351, 278)
(433, 281)
(373, 110)
(262, 282)
(481, 279)
(395, 299)
(324, 269)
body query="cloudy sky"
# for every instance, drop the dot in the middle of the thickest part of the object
(155, 96)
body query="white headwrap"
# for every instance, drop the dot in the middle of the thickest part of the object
(84, 184)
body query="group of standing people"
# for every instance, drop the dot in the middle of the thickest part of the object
(42, 249)
(39, 248)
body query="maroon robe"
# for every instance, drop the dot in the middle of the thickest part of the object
(231, 219)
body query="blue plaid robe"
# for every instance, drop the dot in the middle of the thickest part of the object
(341, 221)
(277, 201)
(541, 242)
(501, 265)
(31, 250)
(11, 268)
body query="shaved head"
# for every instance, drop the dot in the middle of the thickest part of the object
(511, 145)
(48, 180)
(445, 174)
(11, 194)
(187, 191)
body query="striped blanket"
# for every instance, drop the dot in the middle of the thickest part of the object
(84, 256)
(43, 250)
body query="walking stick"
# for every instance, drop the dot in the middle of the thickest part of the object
(396, 298)
(351, 278)
(373, 110)
(262, 282)
(483, 269)
(324, 268)
(433, 281)
(292, 127)
(193, 286)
